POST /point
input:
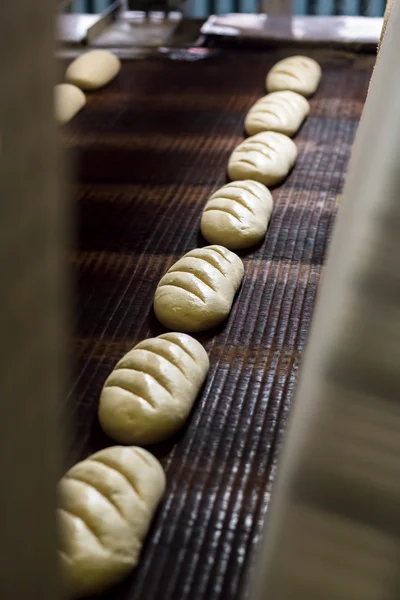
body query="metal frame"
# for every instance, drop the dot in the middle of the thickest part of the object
(117, 27)
(343, 31)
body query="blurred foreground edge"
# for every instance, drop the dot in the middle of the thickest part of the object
(32, 240)
(333, 529)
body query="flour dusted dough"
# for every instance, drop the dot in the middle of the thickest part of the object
(197, 292)
(93, 70)
(299, 74)
(106, 504)
(237, 215)
(68, 101)
(151, 391)
(280, 111)
(266, 157)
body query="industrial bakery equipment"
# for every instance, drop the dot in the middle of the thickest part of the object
(148, 151)
(123, 24)
(127, 24)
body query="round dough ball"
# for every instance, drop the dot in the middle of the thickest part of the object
(68, 101)
(151, 391)
(283, 112)
(106, 504)
(237, 215)
(93, 70)
(299, 74)
(197, 292)
(266, 157)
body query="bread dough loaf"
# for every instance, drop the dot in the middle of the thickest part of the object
(266, 157)
(68, 101)
(93, 70)
(106, 504)
(280, 111)
(237, 215)
(151, 391)
(299, 74)
(197, 292)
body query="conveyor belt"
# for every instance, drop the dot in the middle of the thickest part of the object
(150, 149)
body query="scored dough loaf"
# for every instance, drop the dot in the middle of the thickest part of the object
(106, 504)
(197, 292)
(283, 112)
(299, 74)
(93, 70)
(237, 215)
(266, 157)
(68, 101)
(151, 391)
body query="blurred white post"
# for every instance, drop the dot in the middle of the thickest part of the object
(333, 527)
(32, 244)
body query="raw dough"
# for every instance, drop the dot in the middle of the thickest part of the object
(197, 292)
(151, 391)
(68, 101)
(280, 111)
(237, 215)
(266, 157)
(106, 504)
(300, 74)
(93, 69)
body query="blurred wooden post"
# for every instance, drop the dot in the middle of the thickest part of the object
(32, 235)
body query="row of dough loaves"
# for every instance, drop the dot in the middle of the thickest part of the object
(90, 71)
(107, 501)
(197, 292)
(269, 154)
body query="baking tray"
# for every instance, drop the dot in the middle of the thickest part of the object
(149, 150)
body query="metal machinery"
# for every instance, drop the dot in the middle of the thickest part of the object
(143, 156)
(134, 24)
(125, 24)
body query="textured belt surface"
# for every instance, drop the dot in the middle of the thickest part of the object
(149, 151)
